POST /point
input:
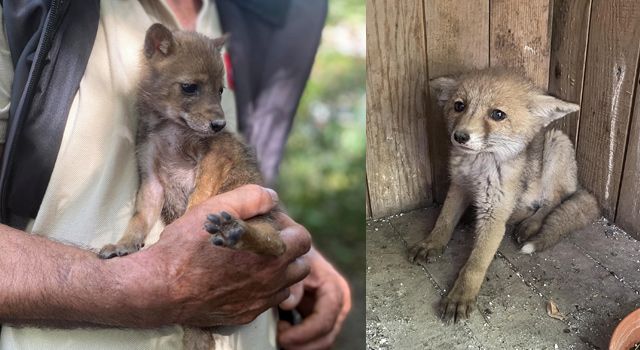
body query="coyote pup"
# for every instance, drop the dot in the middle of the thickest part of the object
(512, 170)
(184, 155)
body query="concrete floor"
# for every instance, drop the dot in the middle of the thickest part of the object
(593, 276)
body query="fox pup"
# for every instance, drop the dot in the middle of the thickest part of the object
(184, 154)
(506, 164)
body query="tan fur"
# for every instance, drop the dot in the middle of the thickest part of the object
(183, 157)
(512, 171)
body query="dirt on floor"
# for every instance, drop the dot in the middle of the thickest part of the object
(592, 276)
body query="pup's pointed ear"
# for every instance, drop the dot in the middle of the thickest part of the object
(158, 39)
(550, 108)
(443, 88)
(218, 43)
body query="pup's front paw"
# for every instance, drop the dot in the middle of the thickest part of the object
(225, 230)
(457, 305)
(526, 229)
(120, 249)
(426, 250)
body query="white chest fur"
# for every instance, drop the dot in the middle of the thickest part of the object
(487, 179)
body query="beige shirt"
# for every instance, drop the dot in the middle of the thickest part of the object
(91, 194)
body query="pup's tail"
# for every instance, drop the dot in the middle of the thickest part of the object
(574, 213)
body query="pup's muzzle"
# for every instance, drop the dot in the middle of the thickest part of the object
(218, 124)
(461, 137)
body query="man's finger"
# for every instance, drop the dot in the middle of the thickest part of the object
(297, 239)
(252, 311)
(346, 301)
(318, 324)
(283, 326)
(321, 343)
(243, 202)
(297, 290)
(296, 271)
(283, 219)
(276, 299)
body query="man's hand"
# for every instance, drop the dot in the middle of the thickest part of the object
(190, 281)
(324, 301)
(183, 278)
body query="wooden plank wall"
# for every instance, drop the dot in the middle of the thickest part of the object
(520, 37)
(624, 19)
(610, 72)
(457, 40)
(584, 51)
(398, 168)
(568, 54)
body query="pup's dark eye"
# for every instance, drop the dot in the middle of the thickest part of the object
(498, 115)
(189, 89)
(221, 91)
(458, 106)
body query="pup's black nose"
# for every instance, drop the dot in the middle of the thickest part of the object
(218, 124)
(461, 137)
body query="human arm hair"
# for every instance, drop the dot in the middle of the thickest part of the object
(48, 283)
(176, 281)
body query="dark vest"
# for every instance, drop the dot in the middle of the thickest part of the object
(50, 42)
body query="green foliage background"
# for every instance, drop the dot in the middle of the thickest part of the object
(322, 176)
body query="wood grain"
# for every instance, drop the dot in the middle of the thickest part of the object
(366, 198)
(628, 208)
(457, 36)
(398, 169)
(520, 37)
(457, 41)
(610, 74)
(570, 33)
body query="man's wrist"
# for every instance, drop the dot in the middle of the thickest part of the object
(108, 294)
(142, 291)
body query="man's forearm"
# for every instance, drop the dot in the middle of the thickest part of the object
(51, 284)
(175, 281)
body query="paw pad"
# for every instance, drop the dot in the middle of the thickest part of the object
(226, 230)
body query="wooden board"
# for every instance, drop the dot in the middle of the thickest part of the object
(520, 37)
(570, 33)
(366, 198)
(398, 169)
(628, 208)
(612, 58)
(457, 36)
(457, 41)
